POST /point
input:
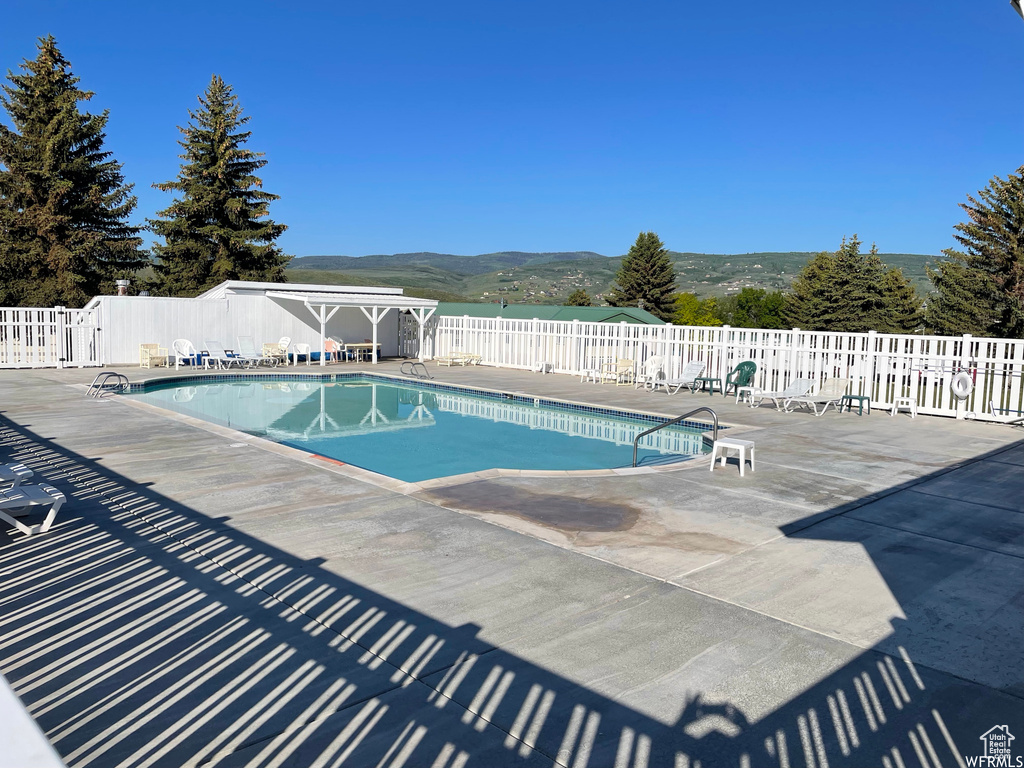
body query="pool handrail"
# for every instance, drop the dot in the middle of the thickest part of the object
(676, 420)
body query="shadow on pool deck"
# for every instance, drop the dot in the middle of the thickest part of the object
(142, 632)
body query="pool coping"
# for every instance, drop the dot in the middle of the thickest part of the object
(402, 486)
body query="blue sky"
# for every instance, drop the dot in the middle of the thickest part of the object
(482, 126)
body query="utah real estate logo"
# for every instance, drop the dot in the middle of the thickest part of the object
(998, 750)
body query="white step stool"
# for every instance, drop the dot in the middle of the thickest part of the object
(910, 403)
(722, 447)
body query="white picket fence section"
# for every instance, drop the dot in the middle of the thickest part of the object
(49, 338)
(882, 366)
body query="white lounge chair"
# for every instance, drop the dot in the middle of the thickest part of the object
(250, 356)
(652, 371)
(14, 474)
(796, 388)
(220, 358)
(13, 500)
(690, 372)
(184, 350)
(829, 393)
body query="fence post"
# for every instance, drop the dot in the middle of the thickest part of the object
(726, 358)
(61, 327)
(872, 352)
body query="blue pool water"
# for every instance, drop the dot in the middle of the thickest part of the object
(417, 433)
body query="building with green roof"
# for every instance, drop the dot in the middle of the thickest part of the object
(549, 312)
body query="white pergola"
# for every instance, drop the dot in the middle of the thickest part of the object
(373, 305)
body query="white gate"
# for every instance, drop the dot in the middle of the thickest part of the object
(48, 338)
(408, 335)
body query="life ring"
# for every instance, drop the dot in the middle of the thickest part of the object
(961, 385)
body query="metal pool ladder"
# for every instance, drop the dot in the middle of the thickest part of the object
(414, 369)
(108, 381)
(676, 420)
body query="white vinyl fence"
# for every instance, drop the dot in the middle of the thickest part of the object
(48, 338)
(882, 366)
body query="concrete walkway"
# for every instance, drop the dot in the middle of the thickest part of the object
(859, 600)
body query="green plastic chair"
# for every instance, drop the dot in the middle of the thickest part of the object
(741, 376)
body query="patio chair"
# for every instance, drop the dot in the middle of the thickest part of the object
(152, 355)
(14, 474)
(220, 358)
(796, 388)
(278, 350)
(302, 349)
(621, 371)
(690, 372)
(334, 349)
(184, 351)
(652, 371)
(740, 376)
(14, 500)
(829, 393)
(250, 355)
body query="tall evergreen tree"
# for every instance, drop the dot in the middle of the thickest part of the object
(980, 290)
(851, 291)
(64, 204)
(646, 275)
(218, 229)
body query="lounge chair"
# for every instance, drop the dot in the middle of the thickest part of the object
(220, 358)
(14, 474)
(741, 376)
(13, 500)
(250, 356)
(651, 373)
(796, 388)
(184, 351)
(691, 371)
(829, 393)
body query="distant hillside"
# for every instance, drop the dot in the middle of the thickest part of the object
(465, 265)
(548, 278)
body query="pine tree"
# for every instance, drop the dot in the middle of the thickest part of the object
(578, 298)
(980, 290)
(904, 312)
(64, 204)
(853, 292)
(218, 228)
(646, 275)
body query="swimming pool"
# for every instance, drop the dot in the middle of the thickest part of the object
(418, 432)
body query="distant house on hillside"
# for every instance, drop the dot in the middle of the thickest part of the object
(549, 312)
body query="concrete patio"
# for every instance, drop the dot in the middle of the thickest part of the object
(859, 600)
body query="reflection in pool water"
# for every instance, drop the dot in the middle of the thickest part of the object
(416, 433)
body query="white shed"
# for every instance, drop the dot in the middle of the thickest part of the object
(306, 313)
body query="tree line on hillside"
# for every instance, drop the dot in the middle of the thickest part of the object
(65, 233)
(977, 290)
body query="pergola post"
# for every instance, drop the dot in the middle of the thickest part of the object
(375, 318)
(422, 316)
(323, 317)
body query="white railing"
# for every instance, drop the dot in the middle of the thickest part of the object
(48, 338)
(881, 366)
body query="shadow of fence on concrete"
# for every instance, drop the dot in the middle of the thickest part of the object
(139, 632)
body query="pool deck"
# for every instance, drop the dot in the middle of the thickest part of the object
(206, 599)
